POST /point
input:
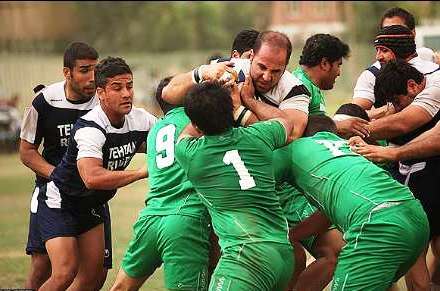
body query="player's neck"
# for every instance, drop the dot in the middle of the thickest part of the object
(116, 119)
(313, 74)
(71, 95)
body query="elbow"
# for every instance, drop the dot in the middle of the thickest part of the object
(90, 182)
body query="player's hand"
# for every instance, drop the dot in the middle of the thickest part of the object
(247, 91)
(353, 126)
(216, 71)
(375, 153)
(356, 141)
(235, 96)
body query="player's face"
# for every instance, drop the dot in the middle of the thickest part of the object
(400, 102)
(331, 75)
(384, 55)
(267, 67)
(117, 96)
(82, 78)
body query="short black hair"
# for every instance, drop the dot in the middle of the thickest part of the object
(321, 46)
(78, 51)
(274, 39)
(392, 80)
(165, 106)
(351, 109)
(213, 57)
(245, 40)
(108, 68)
(209, 106)
(407, 17)
(317, 123)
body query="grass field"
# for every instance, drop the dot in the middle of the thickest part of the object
(16, 183)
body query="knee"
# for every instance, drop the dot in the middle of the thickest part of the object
(64, 276)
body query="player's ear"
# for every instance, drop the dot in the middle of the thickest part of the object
(66, 73)
(235, 54)
(325, 64)
(252, 54)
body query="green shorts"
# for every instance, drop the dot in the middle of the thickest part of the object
(382, 248)
(254, 266)
(180, 242)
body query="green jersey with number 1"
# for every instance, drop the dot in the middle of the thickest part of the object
(233, 174)
(342, 184)
(170, 190)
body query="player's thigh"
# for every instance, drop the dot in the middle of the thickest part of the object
(142, 257)
(63, 254)
(91, 252)
(328, 244)
(184, 246)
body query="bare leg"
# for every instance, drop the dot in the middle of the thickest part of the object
(435, 271)
(417, 278)
(299, 256)
(319, 273)
(63, 254)
(40, 271)
(91, 257)
(125, 283)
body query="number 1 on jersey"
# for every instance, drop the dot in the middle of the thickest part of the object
(246, 181)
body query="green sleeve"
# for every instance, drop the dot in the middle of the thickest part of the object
(272, 132)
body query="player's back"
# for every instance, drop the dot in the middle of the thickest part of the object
(233, 174)
(170, 190)
(343, 184)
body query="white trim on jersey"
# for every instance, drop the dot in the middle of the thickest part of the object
(364, 87)
(29, 125)
(34, 200)
(55, 96)
(90, 141)
(53, 196)
(299, 102)
(137, 120)
(429, 98)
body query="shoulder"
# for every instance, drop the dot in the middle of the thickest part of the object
(425, 67)
(290, 86)
(140, 119)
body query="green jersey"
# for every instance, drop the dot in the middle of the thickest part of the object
(170, 190)
(233, 173)
(343, 185)
(317, 100)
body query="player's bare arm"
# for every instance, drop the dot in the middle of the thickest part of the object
(32, 159)
(365, 103)
(407, 120)
(98, 178)
(180, 84)
(315, 224)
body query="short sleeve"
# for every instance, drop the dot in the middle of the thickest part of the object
(429, 99)
(29, 126)
(365, 86)
(272, 132)
(89, 141)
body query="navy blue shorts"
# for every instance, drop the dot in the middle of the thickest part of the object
(46, 223)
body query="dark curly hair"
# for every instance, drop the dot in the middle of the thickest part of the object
(108, 68)
(245, 40)
(321, 46)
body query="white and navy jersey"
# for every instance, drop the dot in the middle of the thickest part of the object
(429, 100)
(93, 136)
(365, 83)
(289, 93)
(50, 119)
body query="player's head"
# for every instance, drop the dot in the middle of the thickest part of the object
(269, 58)
(349, 110)
(79, 64)
(243, 43)
(398, 83)
(165, 106)
(213, 57)
(317, 123)
(209, 106)
(394, 42)
(398, 16)
(114, 82)
(324, 52)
